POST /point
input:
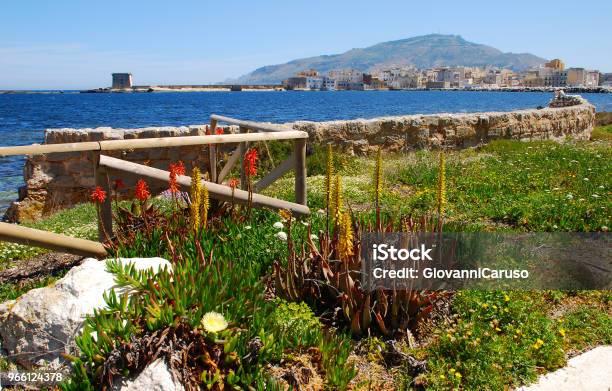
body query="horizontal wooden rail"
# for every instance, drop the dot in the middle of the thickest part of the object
(163, 142)
(217, 191)
(49, 240)
(258, 126)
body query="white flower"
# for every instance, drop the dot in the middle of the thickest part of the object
(281, 235)
(601, 187)
(569, 196)
(320, 212)
(314, 237)
(585, 179)
(555, 226)
(247, 227)
(556, 188)
(214, 322)
(595, 196)
(278, 225)
(304, 223)
(94, 335)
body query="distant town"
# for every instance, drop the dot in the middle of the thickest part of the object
(550, 74)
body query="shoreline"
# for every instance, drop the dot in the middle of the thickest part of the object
(152, 89)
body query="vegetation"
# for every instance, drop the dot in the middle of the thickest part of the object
(253, 294)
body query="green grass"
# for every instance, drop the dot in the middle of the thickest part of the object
(602, 133)
(11, 291)
(506, 185)
(79, 221)
(497, 339)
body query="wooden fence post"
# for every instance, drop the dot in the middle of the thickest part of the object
(105, 217)
(242, 148)
(212, 153)
(299, 146)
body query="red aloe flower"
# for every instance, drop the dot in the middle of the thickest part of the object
(175, 170)
(250, 162)
(178, 168)
(118, 184)
(233, 183)
(98, 195)
(142, 190)
(219, 131)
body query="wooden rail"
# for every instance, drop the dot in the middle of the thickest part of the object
(163, 142)
(104, 164)
(35, 237)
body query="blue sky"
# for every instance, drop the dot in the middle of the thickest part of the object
(78, 44)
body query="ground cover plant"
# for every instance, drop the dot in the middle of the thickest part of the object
(269, 316)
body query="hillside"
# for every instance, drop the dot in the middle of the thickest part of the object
(423, 52)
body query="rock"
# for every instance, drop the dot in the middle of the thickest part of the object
(155, 377)
(589, 371)
(41, 324)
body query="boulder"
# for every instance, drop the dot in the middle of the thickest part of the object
(41, 324)
(155, 377)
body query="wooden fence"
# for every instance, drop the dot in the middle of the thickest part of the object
(104, 165)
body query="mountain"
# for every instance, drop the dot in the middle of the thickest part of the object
(423, 52)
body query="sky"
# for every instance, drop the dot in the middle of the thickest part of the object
(75, 44)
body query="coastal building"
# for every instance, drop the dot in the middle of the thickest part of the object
(580, 77)
(556, 64)
(122, 81)
(295, 83)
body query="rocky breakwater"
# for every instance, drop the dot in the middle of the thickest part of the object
(567, 116)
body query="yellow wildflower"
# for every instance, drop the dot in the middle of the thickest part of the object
(562, 332)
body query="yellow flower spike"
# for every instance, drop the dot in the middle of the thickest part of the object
(441, 196)
(345, 241)
(196, 198)
(378, 178)
(562, 332)
(204, 206)
(338, 199)
(329, 174)
(285, 214)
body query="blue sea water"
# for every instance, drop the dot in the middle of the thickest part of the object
(23, 117)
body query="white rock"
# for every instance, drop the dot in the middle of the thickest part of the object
(155, 377)
(590, 371)
(43, 322)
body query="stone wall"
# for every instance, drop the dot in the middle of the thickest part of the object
(56, 181)
(457, 130)
(60, 180)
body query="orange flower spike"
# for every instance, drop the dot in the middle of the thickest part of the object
(142, 190)
(250, 162)
(233, 183)
(98, 195)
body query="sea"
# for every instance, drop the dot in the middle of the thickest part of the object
(24, 117)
